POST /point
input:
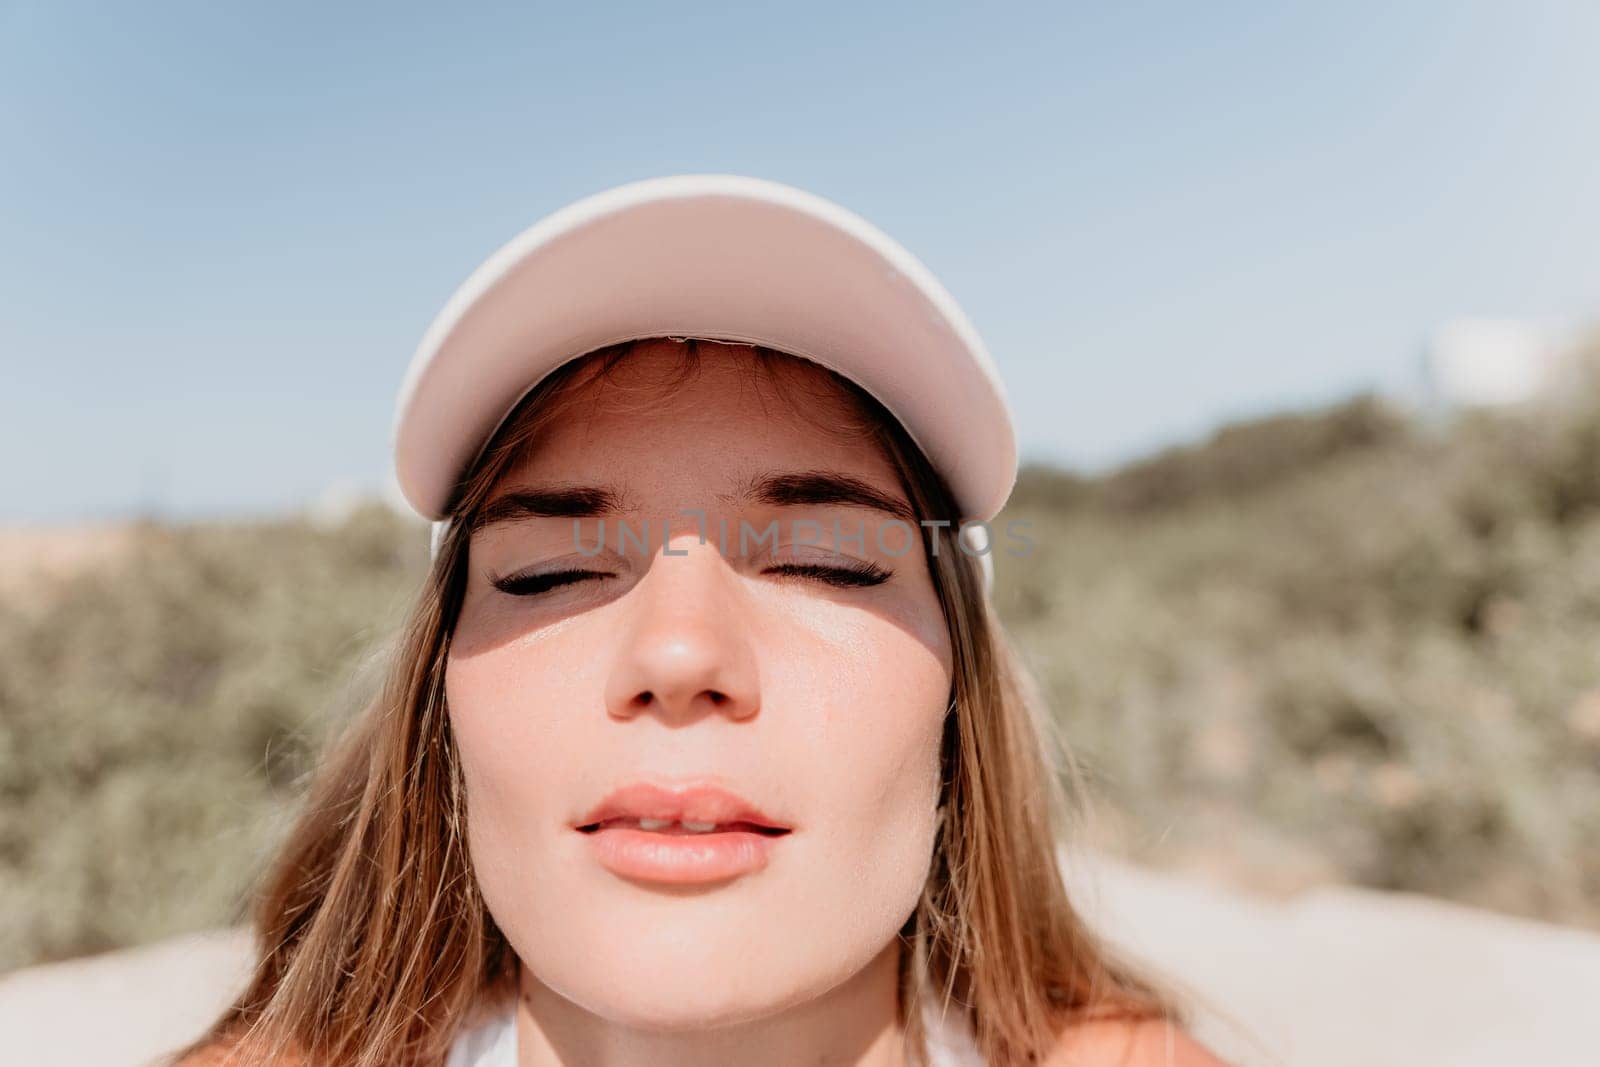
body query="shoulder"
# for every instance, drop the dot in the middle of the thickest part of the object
(1125, 1043)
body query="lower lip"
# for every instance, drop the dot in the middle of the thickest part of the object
(681, 859)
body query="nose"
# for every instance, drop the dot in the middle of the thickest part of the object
(685, 649)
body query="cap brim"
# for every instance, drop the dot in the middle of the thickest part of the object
(716, 256)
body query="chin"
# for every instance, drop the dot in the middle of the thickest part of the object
(710, 1006)
(695, 976)
(703, 960)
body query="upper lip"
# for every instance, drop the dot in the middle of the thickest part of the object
(692, 802)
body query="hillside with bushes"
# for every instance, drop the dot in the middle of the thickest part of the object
(1333, 645)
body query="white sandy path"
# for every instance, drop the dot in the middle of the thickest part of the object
(1331, 977)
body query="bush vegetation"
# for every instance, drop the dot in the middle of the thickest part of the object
(1346, 644)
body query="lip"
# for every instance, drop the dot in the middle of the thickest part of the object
(741, 844)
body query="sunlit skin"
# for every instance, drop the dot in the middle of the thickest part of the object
(820, 701)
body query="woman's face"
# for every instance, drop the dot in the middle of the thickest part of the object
(775, 686)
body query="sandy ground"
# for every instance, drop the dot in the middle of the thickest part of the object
(1329, 977)
(32, 557)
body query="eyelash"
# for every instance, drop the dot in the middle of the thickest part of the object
(855, 576)
(534, 584)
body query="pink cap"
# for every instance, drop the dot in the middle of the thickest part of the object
(713, 256)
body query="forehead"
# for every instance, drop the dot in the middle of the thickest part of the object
(656, 418)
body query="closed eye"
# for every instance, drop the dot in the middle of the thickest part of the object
(534, 584)
(853, 576)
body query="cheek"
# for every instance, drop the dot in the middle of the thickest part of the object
(875, 750)
(510, 748)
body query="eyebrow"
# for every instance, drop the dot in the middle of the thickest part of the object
(816, 488)
(554, 502)
(821, 488)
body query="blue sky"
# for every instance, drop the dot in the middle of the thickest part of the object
(223, 228)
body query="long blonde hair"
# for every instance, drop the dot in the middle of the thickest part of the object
(375, 945)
